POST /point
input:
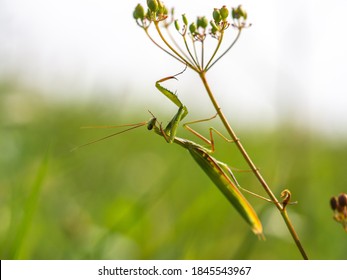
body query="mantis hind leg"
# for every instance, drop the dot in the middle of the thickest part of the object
(285, 194)
(210, 141)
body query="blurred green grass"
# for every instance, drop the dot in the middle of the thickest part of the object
(136, 197)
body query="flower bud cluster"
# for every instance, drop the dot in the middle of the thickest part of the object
(198, 28)
(220, 20)
(197, 31)
(156, 11)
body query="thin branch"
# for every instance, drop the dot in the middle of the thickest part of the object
(160, 47)
(188, 58)
(228, 49)
(171, 48)
(196, 53)
(220, 39)
(190, 53)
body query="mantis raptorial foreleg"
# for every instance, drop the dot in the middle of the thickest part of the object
(171, 129)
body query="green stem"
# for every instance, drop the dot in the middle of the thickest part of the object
(194, 65)
(190, 53)
(196, 55)
(293, 233)
(188, 58)
(160, 47)
(220, 39)
(181, 58)
(202, 53)
(254, 169)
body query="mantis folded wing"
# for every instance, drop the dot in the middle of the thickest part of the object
(214, 170)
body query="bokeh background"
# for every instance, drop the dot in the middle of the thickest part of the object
(67, 64)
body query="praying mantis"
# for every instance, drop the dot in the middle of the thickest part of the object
(219, 172)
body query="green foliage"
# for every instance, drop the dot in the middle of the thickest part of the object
(136, 197)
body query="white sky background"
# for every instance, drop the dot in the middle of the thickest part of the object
(290, 63)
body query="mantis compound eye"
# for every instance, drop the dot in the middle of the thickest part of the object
(151, 123)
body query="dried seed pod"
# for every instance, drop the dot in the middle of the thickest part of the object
(333, 203)
(342, 200)
(339, 205)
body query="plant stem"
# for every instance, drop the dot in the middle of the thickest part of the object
(197, 66)
(293, 233)
(254, 169)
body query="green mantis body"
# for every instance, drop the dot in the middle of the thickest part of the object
(217, 171)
